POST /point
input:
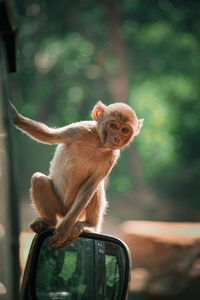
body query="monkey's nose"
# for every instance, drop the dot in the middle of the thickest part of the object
(116, 139)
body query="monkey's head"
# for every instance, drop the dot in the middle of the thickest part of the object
(117, 124)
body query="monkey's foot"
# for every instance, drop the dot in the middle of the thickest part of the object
(39, 225)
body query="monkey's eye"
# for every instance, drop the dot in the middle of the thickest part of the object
(113, 125)
(125, 130)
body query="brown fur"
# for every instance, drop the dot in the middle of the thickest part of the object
(74, 188)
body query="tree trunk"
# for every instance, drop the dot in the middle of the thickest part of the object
(118, 82)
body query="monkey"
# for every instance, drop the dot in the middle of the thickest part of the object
(84, 157)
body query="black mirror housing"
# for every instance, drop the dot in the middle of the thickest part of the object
(94, 266)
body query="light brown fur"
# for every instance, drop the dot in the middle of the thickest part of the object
(87, 151)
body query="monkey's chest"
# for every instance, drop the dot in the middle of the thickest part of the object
(71, 165)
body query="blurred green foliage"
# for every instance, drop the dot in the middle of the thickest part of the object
(60, 80)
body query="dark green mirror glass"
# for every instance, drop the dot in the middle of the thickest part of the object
(87, 269)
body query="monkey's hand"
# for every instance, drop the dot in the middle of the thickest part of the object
(15, 115)
(63, 236)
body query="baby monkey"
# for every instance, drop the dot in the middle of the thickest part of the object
(86, 153)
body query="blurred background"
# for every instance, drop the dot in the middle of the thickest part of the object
(145, 53)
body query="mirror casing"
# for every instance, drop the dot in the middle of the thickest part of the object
(94, 266)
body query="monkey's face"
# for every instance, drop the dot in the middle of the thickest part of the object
(117, 124)
(117, 134)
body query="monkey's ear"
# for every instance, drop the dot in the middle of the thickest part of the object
(97, 111)
(140, 124)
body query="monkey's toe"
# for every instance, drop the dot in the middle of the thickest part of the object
(39, 225)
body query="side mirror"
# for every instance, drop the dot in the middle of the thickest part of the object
(94, 266)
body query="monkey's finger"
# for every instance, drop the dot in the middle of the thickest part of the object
(56, 241)
(65, 244)
(13, 108)
(14, 112)
(70, 240)
(54, 244)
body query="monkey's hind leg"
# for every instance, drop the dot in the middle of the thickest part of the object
(45, 201)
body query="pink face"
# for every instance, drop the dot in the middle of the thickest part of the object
(117, 134)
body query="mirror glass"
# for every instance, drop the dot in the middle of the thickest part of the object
(87, 269)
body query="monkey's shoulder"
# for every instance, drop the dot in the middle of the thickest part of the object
(79, 128)
(83, 132)
(83, 125)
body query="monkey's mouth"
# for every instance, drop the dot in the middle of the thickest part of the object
(112, 145)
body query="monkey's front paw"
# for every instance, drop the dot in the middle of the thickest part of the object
(74, 234)
(39, 225)
(15, 114)
(60, 235)
(76, 230)
(64, 235)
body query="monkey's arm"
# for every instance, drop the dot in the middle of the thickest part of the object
(64, 230)
(42, 132)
